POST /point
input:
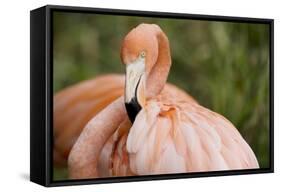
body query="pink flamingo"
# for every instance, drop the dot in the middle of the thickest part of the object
(170, 132)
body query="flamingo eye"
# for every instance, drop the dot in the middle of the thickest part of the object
(142, 54)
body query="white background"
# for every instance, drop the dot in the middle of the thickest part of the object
(14, 95)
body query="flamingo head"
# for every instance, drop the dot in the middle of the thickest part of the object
(139, 53)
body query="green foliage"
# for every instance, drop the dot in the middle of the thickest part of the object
(223, 65)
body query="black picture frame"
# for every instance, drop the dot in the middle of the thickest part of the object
(41, 94)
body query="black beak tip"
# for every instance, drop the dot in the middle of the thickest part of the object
(133, 108)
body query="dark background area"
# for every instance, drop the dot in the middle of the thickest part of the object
(223, 65)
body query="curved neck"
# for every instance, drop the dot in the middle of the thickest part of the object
(159, 73)
(83, 158)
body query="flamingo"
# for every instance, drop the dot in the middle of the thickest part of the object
(155, 128)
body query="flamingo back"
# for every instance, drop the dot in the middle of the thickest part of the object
(173, 135)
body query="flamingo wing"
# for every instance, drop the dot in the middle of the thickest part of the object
(177, 137)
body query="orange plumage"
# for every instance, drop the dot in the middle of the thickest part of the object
(76, 105)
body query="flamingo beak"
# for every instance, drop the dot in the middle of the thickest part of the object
(135, 87)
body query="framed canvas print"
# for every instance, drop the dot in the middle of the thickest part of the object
(119, 95)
